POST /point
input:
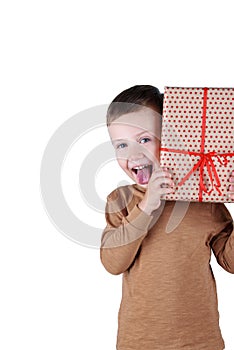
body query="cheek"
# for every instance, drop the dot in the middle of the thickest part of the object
(122, 163)
(153, 152)
(157, 149)
(157, 153)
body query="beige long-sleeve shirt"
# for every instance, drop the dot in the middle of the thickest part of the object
(169, 299)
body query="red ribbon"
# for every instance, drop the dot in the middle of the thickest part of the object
(206, 159)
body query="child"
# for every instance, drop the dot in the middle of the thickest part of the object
(169, 299)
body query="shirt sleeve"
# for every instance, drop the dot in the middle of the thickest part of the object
(222, 243)
(123, 235)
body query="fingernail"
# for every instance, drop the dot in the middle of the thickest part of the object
(231, 196)
(231, 188)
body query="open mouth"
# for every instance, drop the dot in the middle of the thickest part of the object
(142, 173)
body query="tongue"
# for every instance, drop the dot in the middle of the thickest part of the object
(143, 175)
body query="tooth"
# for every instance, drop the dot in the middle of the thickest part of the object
(141, 167)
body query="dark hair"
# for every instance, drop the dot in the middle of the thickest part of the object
(132, 100)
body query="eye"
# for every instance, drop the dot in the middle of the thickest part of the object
(145, 139)
(121, 145)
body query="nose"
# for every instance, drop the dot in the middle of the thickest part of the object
(135, 156)
(135, 153)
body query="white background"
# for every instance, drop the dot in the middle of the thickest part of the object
(57, 59)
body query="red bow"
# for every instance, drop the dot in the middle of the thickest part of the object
(207, 161)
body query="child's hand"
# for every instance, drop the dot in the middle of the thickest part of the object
(160, 183)
(231, 186)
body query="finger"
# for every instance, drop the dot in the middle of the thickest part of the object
(161, 173)
(231, 178)
(159, 168)
(231, 188)
(167, 183)
(160, 180)
(167, 171)
(231, 196)
(166, 190)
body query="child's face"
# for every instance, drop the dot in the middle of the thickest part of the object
(136, 139)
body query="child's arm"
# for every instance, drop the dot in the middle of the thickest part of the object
(126, 228)
(222, 243)
(122, 236)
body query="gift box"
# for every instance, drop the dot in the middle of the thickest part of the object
(197, 142)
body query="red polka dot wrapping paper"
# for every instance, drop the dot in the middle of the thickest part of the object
(197, 142)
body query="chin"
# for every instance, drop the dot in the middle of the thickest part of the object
(140, 184)
(143, 185)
